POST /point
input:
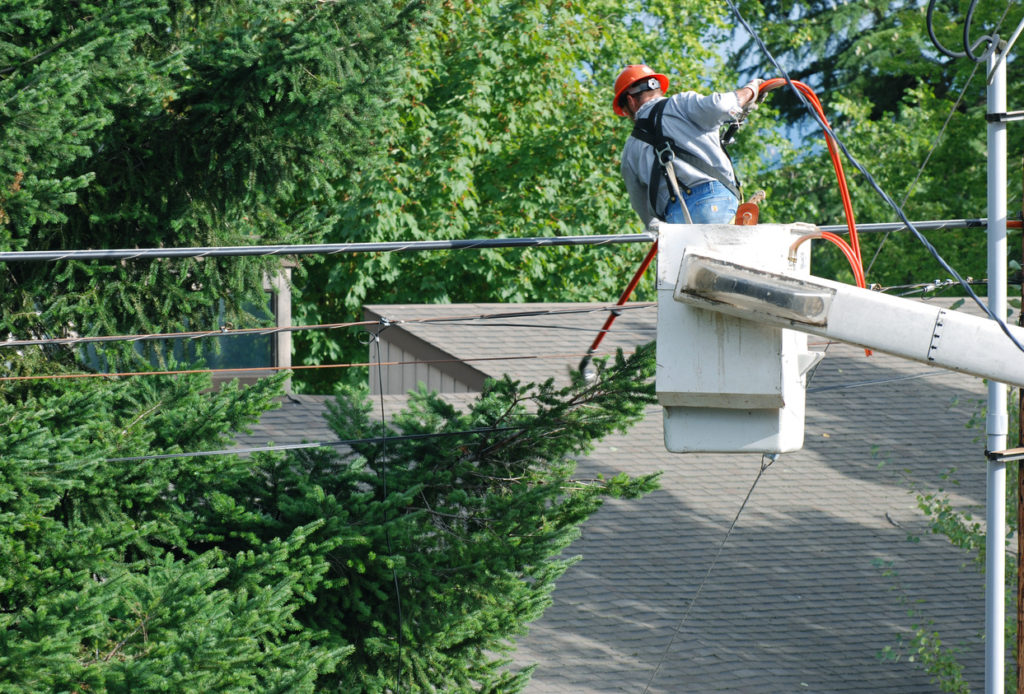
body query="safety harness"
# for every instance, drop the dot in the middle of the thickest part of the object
(649, 130)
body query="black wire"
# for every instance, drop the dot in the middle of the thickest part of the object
(537, 312)
(384, 325)
(325, 248)
(263, 332)
(924, 163)
(874, 184)
(968, 51)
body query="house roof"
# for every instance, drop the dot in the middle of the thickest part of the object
(816, 577)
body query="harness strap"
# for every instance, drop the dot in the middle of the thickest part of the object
(649, 130)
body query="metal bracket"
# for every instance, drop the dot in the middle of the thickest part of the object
(1004, 117)
(933, 346)
(1006, 456)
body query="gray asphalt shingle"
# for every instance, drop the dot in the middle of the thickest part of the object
(818, 574)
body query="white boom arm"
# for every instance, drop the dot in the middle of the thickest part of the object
(898, 326)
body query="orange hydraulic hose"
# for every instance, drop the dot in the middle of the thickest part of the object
(858, 274)
(837, 164)
(858, 271)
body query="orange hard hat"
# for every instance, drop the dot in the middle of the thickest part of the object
(630, 75)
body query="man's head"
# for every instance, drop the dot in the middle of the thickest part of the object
(635, 85)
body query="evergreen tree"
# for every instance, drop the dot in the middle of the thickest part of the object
(407, 564)
(143, 123)
(100, 586)
(443, 534)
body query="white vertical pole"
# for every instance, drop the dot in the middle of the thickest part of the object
(995, 556)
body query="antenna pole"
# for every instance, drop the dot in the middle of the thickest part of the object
(997, 422)
(1020, 496)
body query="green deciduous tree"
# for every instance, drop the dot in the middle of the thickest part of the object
(913, 116)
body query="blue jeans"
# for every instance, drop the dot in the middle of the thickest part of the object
(708, 203)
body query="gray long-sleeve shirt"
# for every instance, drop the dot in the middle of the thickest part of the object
(692, 121)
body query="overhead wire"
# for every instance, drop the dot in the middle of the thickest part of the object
(266, 331)
(324, 248)
(874, 184)
(294, 367)
(926, 225)
(125, 254)
(246, 450)
(924, 163)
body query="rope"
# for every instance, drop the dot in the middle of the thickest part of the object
(766, 461)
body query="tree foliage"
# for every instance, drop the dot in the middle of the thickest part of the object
(102, 584)
(911, 115)
(408, 563)
(148, 123)
(442, 549)
(962, 528)
(505, 129)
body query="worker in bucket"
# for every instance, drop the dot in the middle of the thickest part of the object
(674, 164)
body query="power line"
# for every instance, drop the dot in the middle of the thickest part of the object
(248, 450)
(326, 248)
(298, 367)
(920, 170)
(418, 246)
(929, 225)
(184, 335)
(235, 332)
(307, 445)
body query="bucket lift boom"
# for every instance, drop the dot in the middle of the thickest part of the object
(735, 306)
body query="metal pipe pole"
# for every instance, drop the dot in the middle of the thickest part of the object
(997, 424)
(1020, 496)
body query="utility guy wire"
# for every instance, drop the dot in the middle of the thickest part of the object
(234, 332)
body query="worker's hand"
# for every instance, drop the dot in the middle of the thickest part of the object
(754, 86)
